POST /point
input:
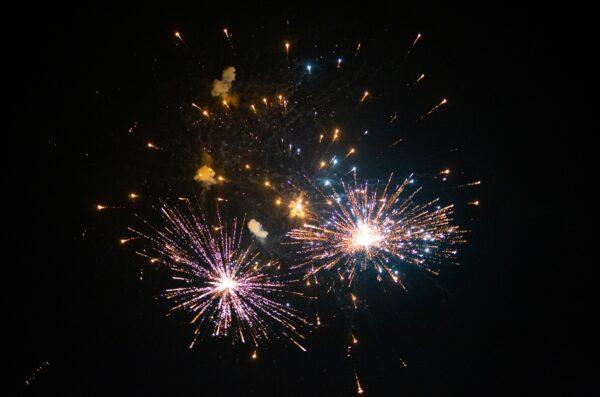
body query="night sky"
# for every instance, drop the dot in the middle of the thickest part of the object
(84, 76)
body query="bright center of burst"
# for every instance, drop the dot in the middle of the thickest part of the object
(364, 236)
(226, 284)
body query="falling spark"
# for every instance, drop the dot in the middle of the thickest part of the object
(433, 109)
(227, 288)
(352, 295)
(336, 134)
(228, 37)
(413, 45)
(150, 145)
(203, 111)
(365, 95)
(416, 39)
(476, 183)
(133, 196)
(29, 380)
(178, 35)
(475, 203)
(359, 388)
(421, 77)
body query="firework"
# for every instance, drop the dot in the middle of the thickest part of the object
(433, 109)
(178, 35)
(227, 288)
(364, 228)
(364, 96)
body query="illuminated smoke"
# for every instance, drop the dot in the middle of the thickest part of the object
(205, 175)
(221, 87)
(256, 229)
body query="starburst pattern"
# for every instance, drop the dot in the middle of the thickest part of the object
(227, 287)
(364, 228)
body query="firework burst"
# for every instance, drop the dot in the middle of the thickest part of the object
(227, 288)
(364, 228)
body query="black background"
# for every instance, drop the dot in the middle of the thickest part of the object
(80, 307)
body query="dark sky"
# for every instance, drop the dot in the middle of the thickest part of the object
(81, 77)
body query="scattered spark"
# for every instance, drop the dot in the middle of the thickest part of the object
(359, 388)
(413, 45)
(476, 183)
(336, 134)
(228, 36)
(442, 103)
(365, 95)
(29, 380)
(124, 241)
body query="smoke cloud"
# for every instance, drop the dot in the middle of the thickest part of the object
(256, 229)
(205, 175)
(221, 87)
